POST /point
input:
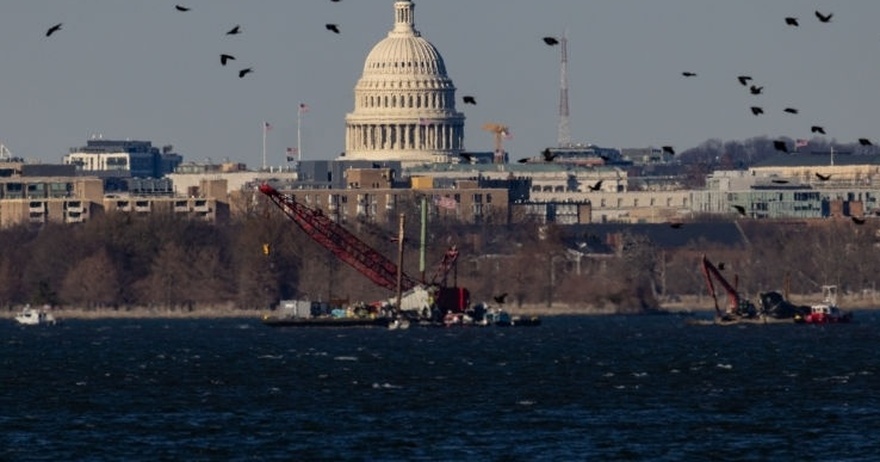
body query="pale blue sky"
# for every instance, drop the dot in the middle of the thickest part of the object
(139, 69)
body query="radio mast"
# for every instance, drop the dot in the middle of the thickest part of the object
(563, 137)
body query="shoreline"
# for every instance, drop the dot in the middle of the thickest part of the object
(685, 305)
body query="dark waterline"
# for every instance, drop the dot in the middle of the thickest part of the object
(575, 388)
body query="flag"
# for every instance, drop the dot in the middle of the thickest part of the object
(303, 108)
(800, 143)
(291, 154)
(267, 126)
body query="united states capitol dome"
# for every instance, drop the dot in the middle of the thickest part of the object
(404, 106)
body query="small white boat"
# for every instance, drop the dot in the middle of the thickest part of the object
(34, 317)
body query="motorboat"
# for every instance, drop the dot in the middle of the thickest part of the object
(34, 317)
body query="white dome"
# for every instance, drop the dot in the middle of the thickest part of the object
(404, 102)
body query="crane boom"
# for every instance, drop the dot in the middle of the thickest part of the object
(736, 304)
(342, 243)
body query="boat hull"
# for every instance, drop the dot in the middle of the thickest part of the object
(326, 322)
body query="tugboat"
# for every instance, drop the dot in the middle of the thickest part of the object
(826, 312)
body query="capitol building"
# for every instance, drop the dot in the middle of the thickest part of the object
(404, 103)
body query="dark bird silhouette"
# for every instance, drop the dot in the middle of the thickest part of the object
(669, 149)
(744, 79)
(53, 29)
(332, 27)
(224, 58)
(824, 17)
(676, 225)
(524, 160)
(857, 220)
(597, 186)
(740, 209)
(817, 129)
(755, 90)
(501, 298)
(234, 31)
(757, 110)
(865, 142)
(467, 157)
(790, 110)
(551, 41)
(335, 1)
(469, 100)
(780, 145)
(791, 21)
(245, 72)
(822, 177)
(548, 156)
(180, 8)
(689, 74)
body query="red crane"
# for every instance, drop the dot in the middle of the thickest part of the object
(736, 305)
(340, 242)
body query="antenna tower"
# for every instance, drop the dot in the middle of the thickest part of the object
(563, 137)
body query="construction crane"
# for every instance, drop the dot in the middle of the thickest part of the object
(737, 307)
(366, 260)
(501, 133)
(340, 242)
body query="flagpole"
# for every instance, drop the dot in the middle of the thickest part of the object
(298, 134)
(264, 145)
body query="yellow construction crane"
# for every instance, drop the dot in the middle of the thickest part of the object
(501, 132)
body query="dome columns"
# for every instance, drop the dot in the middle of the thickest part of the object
(364, 139)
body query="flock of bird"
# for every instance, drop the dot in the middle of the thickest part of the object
(748, 81)
(225, 58)
(745, 80)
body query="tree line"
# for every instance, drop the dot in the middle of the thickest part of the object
(122, 261)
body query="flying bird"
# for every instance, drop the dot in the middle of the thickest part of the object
(500, 298)
(597, 186)
(757, 110)
(551, 41)
(744, 79)
(180, 8)
(224, 58)
(817, 129)
(791, 21)
(332, 27)
(53, 29)
(669, 149)
(234, 31)
(822, 177)
(857, 220)
(779, 145)
(548, 156)
(689, 74)
(755, 90)
(245, 72)
(790, 110)
(740, 209)
(865, 142)
(469, 100)
(824, 17)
